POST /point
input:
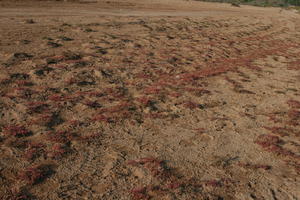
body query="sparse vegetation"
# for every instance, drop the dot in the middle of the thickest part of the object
(205, 104)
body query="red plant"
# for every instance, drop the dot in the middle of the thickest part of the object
(140, 193)
(74, 122)
(33, 175)
(90, 137)
(33, 150)
(152, 90)
(274, 117)
(213, 183)
(295, 65)
(102, 118)
(56, 97)
(294, 114)
(199, 130)
(59, 98)
(17, 131)
(174, 185)
(279, 130)
(254, 166)
(42, 119)
(272, 144)
(268, 141)
(175, 94)
(70, 81)
(191, 105)
(61, 137)
(55, 59)
(57, 151)
(206, 73)
(294, 104)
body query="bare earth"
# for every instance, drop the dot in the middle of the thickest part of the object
(148, 100)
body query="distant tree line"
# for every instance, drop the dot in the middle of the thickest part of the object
(292, 2)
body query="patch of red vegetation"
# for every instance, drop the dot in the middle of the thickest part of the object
(282, 131)
(57, 151)
(191, 105)
(62, 98)
(213, 183)
(294, 116)
(152, 90)
(272, 144)
(56, 97)
(268, 141)
(139, 193)
(33, 175)
(74, 122)
(143, 75)
(62, 137)
(199, 130)
(294, 104)
(254, 166)
(90, 137)
(33, 150)
(41, 119)
(117, 92)
(274, 117)
(16, 130)
(205, 73)
(89, 94)
(175, 94)
(295, 65)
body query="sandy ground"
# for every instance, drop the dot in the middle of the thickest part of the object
(148, 100)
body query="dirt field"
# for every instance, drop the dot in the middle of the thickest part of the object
(149, 99)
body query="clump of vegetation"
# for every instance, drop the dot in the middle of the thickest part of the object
(16, 130)
(33, 151)
(34, 175)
